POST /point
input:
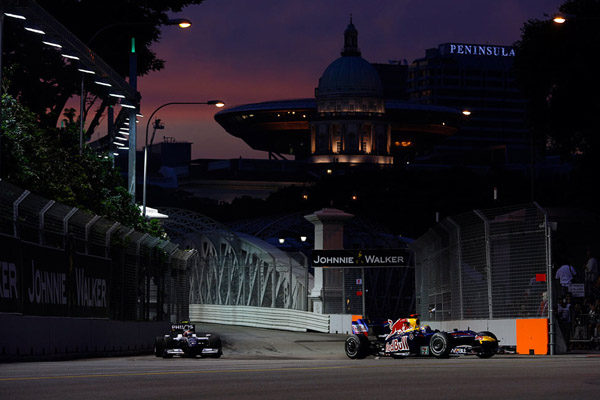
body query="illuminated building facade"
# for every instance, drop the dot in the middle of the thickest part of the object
(478, 78)
(351, 120)
(350, 124)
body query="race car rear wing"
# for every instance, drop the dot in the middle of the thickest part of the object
(182, 327)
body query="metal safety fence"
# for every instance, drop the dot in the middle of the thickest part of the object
(485, 264)
(58, 260)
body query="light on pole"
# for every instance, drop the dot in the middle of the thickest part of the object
(182, 23)
(216, 103)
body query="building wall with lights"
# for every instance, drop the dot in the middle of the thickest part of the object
(478, 78)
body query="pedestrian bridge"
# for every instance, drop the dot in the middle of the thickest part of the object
(235, 269)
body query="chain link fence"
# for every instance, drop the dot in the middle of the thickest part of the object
(484, 264)
(61, 261)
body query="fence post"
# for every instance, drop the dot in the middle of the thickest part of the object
(42, 226)
(16, 212)
(488, 260)
(549, 291)
(66, 224)
(459, 260)
(88, 227)
(109, 232)
(364, 292)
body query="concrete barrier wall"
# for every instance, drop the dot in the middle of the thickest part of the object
(261, 317)
(24, 338)
(504, 329)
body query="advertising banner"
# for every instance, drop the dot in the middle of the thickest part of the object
(39, 280)
(91, 286)
(360, 258)
(10, 290)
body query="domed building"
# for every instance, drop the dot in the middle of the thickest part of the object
(350, 124)
(350, 120)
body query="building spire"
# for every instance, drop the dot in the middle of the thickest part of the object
(351, 41)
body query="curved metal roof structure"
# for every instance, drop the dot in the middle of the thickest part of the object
(283, 126)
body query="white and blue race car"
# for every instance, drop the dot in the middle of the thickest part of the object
(184, 341)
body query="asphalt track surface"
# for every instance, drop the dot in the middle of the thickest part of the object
(262, 364)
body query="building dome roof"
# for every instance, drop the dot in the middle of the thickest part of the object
(348, 76)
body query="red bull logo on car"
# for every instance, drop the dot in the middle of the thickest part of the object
(401, 325)
(397, 345)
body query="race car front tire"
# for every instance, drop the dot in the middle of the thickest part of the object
(158, 346)
(356, 347)
(167, 344)
(487, 349)
(439, 345)
(215, 342)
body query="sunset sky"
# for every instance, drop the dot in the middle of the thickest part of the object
(245, 51)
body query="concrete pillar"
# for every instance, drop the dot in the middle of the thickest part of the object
(329, 235)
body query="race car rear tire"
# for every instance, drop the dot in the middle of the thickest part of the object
(488, 349)
(439, 345)
(215, 342)
(158, 346)
(356, 347)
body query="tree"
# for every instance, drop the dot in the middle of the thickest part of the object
(556, 68)
(47, 161)
(42, 81)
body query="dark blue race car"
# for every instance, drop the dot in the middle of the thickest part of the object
(405, 337)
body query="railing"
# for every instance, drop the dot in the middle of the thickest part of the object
(64, 261)
(260, 317)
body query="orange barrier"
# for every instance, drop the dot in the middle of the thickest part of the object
(532, 336)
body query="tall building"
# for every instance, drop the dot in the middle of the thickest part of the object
(477, 78)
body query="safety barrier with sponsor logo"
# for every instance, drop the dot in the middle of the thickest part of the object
(261, 317)
(60, 261)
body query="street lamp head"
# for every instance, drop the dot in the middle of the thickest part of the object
(466, 113)
(559, 19)
(16, 16)
(183, 23)
(216, 103)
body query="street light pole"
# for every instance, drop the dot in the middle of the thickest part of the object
(1, 29)
(182, 23)
(216, 103)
